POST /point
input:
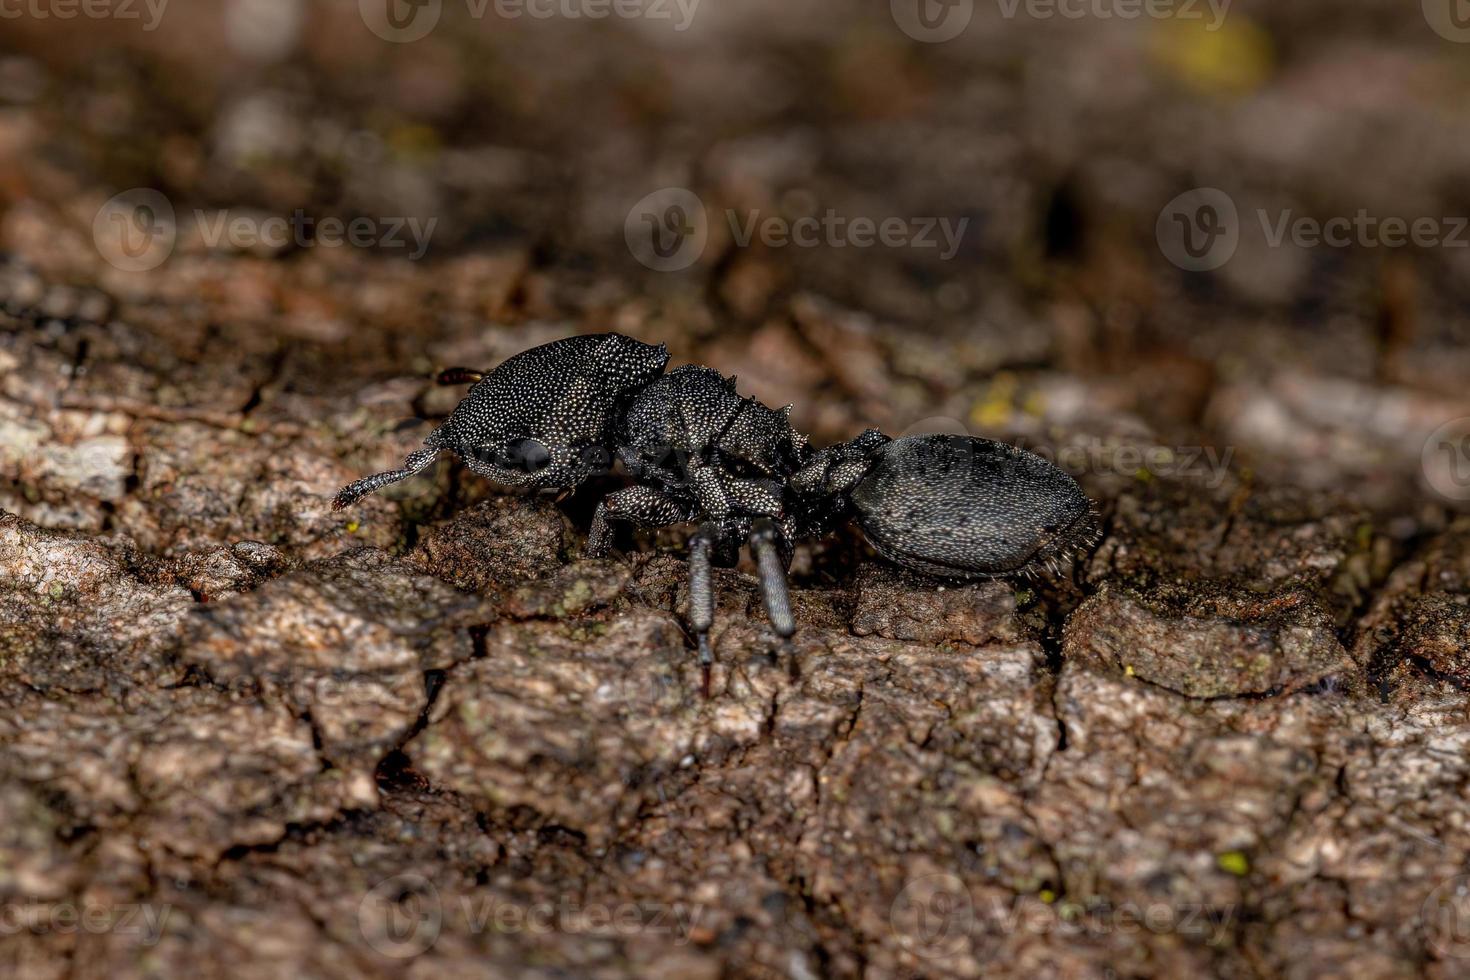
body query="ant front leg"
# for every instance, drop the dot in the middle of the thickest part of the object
(412, 464)
(639, 506)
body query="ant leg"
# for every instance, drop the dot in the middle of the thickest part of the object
(702, 596)
(412, 463)
(639, 506)
(763, 546)
(599, 536)
(459, 376)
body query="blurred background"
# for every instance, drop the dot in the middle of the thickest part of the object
(1070, 223)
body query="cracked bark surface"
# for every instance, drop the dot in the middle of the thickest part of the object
(1227, 744)
(424, 738)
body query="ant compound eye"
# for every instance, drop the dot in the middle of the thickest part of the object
(528, 455)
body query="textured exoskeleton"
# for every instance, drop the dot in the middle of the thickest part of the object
(547, 417)
(950, 506)
(959, 506)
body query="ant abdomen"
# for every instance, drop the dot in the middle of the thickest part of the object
(964, 507)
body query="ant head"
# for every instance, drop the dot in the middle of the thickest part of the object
(548, 417)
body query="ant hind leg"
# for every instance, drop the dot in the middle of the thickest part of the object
(702, 596)
(765, 540)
